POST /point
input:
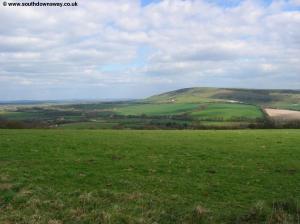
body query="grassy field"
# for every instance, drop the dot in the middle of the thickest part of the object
(250, 96)
(189, 95)
(228, 111)
(189, 108)
(37, 115)
(67, 176)
(17, 115)
(89, 125)
(157, 109)
(294, 106)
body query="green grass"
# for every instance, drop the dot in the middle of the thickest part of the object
(38, 115)
(288, 106)
(250, 96)
(128, 123)
(16, 115)
(157, 109)
(228, 111)
(89, 125)
(11, 115)
(65, 176)
(224, 123)
(189, 95)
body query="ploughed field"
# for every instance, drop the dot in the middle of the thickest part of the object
(280, 114)
(86, 176)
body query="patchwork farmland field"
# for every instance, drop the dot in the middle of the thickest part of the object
(157, 109)
(191, 108)
(67, 176)
(288, 106)
(228, 111)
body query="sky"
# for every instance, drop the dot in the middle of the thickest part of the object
(136, 48)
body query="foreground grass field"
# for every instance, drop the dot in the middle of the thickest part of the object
(65, 176)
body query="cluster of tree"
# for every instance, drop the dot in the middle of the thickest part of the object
(248, 96)
(270, 123)
(48, 113)
(153, 122)
(182, 117)
(10, 124)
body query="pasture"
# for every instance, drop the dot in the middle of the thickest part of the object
(157, 109)
(189, 108)
(228, 112)
(85, 176)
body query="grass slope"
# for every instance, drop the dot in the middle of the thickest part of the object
(188, 95)
(228, 112)
(277, 98)
(197, 107)
(149, 176)
(157, 109)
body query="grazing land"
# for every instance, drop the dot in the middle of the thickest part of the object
(86, 176)
(191, 108)
(228, 112)
(285, 99)
(157, 109)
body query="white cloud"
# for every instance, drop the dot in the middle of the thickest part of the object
(164, 45)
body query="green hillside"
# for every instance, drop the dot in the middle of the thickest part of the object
(289, 99)
(228, 112)
(84, 176)
(191, 108)
(157, 109)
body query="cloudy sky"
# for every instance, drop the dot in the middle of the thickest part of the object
(133, 48)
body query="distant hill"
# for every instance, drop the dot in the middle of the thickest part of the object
(289, 99)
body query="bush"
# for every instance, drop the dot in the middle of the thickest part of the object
(5, 124)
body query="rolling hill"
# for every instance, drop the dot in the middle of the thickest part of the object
(285, 99)
(190, 108)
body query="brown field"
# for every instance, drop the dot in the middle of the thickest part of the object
(283, 114)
